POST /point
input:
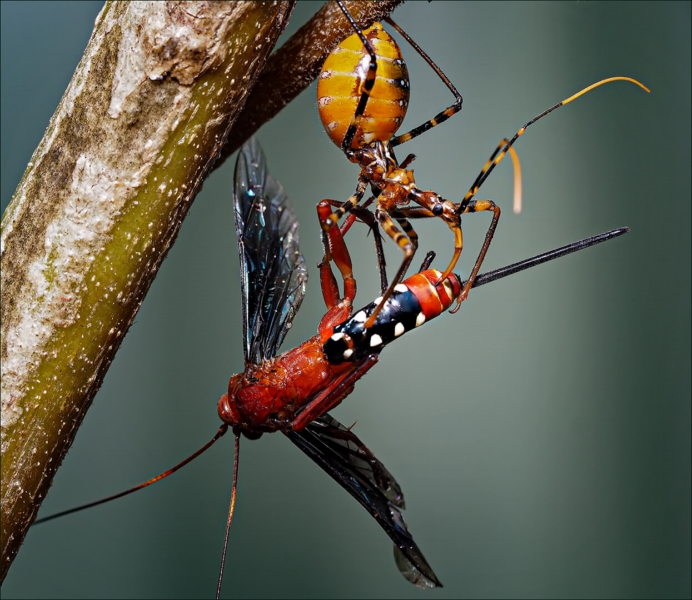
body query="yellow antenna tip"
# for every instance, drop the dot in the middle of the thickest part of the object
(602, 82)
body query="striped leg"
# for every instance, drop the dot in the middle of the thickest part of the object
(517, 172)
(418, 212)
(477, 206)
(333, 218)
(408, 242)
(439, 118)
(507, 147)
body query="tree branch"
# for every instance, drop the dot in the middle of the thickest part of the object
(101, 202)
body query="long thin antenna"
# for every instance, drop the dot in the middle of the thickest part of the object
(547, 256)
(147, 483)
(231, 510)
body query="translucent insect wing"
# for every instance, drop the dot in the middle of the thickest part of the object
(272, 269)
(347, 460)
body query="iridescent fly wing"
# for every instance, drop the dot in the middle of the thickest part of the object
(273, 274)
(349, 462)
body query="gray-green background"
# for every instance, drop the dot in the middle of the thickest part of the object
(541, 435)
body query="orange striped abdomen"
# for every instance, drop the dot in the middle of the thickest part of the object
(340, 85)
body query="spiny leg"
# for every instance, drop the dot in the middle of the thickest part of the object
(346, 207)
(484, 174)
(439, 118)
(417, 212)
(367, 84)
(408, 242)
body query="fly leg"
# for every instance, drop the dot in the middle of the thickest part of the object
(361, 213)
(335, 250)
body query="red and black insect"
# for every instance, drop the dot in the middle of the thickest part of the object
(362, 95)
(294, 391)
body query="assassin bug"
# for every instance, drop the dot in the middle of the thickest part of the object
(273, 283)
(362, 96)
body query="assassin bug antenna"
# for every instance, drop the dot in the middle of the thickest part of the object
(468, 205)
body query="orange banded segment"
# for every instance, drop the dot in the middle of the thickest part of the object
(427, 296)
(448, 288)
(433, 294)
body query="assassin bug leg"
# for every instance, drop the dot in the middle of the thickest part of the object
(476, 206)
(439, 118)
(408, 242)
(495, 159)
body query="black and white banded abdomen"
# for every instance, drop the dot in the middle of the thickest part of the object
(412, 303)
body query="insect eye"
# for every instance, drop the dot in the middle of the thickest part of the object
(437, 209)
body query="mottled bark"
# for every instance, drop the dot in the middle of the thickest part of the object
(146, 114)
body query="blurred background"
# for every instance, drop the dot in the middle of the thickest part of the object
(541, 435)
